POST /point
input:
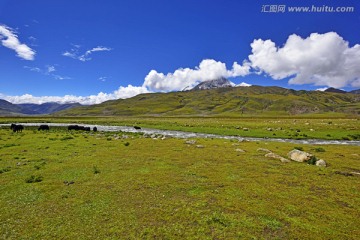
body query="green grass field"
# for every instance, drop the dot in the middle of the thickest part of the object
(81, 185)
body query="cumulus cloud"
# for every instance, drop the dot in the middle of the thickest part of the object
(129, 91)
(10, 40)
(74, 52)
(122, 92)
(186, 77)
(320, 59)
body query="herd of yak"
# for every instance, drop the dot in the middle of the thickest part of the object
(19, 128)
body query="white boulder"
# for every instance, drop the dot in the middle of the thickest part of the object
(299, 156)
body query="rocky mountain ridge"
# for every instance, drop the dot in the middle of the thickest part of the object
(10, 109)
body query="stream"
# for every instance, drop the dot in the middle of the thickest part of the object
(184, 135)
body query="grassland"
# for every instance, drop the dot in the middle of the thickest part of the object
(62, 185)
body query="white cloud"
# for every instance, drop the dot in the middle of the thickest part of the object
(320, 59)
(48, 71)
(74, 52)
(186, 77)
(58, 77)
(33, 69)
(69, 54)
(103, 79)
(10, 40)
(129, 91)
(243, 84)
(122, 92)
(321, 89)
(97, 49)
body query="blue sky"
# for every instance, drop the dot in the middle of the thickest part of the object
(92, 51)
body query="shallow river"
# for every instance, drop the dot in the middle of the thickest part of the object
(180, 134)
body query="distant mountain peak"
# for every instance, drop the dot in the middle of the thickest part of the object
(357, 91)
(335, 90)
(215, 83)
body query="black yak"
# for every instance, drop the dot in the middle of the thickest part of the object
(44, 127)
(16, 128)
(95, 129)
(73, 127)
(77, 127)
(137, 127)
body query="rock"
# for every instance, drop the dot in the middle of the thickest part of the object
(269, 129)
(272, 155)
(320, 163)
(190, 142)
(199, 146)
(284, 160)
(245, 129)
(68, 183)
(275, 156)
(299, 156)
(263, 150)
(239, 150)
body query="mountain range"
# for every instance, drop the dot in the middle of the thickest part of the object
(209, 98)
(10, 109)
(224, 101)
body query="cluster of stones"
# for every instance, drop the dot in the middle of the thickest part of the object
(294, 155)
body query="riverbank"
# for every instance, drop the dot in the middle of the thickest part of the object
(295, 127)
(182, 134)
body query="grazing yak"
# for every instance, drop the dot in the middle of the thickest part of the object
(73, 127)
(95, 129)
(77, 128)
(137, 127)
(44, 128)
(16, 128)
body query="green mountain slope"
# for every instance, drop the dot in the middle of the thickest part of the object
(226, 102)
